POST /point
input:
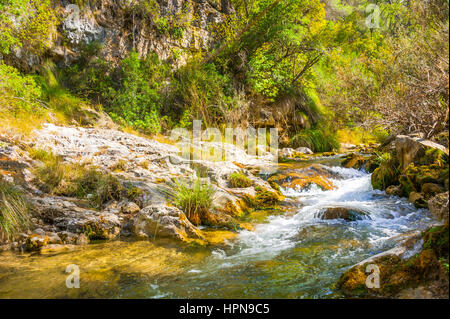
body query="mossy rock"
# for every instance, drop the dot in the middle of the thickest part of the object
(415, 177)
(384, 176)
(264, 198)
(354, 160)
(239, 180)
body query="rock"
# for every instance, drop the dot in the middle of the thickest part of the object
(82, 239)
(286, 152)
(304, 178)
(354, 160)
(384, 176)
(431, 189)
(35, 242)
(418, 200)
(347, 146)
(394, 190)
(348, 214)
(39, 231)
(164, 221)
(415, 260)
(412, 150)
(304, 150)
(438, 206)
(130, 208)
(53, 248)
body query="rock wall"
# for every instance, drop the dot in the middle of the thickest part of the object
(148, 26)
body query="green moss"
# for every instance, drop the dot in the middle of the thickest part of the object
(239, 180)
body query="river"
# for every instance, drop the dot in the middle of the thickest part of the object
(292, 254)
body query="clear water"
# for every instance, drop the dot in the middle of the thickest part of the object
(290, 255)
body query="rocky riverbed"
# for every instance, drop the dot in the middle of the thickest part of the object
(306, 229)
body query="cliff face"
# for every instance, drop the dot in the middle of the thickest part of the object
(170, 28)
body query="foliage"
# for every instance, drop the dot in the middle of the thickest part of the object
(18, 93)
(14, 210)
(136, 101)
(26, 24)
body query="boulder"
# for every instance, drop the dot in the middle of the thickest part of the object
(348, 214)
(354, 160)
(413, 149)
(394, 190)
(418, 200)
(164, 221)
(431, 189)
(35, 242)
(384, 176)
(438, 206)
(304, 150)
(130, 208)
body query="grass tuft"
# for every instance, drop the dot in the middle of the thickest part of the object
(194, 198)
(14, 210)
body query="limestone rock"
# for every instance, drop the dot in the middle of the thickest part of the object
(438, 206)
(418, 200)
(164, 221)
(394, 190)
(412, 149)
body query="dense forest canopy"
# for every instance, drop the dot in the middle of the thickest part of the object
(308, 67)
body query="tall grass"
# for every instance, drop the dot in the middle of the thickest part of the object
(194, 197)
(75, 180)
(14, 210)
(318, 139)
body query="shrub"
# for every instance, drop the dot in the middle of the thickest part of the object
(14, 210)
(239, 180)
(195, 198)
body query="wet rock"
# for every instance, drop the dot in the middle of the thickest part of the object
(35, 242)
(354, 160)
(82, 239)
(304, 150)
(394, 190)
(415, 260)
(431, 189)
(418, 200)
(165, 221)
(348, 214)
(56, 248)
(438, 206)
(305, 177)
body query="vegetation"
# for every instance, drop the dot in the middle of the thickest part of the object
(239, 180)
(315, 70)
(14, 210)
(194, 198)
(76, 180)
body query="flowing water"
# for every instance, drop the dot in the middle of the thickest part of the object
(293, 254)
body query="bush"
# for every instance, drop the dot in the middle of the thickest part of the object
(195, 198)
(239, 180)
(14, 210)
